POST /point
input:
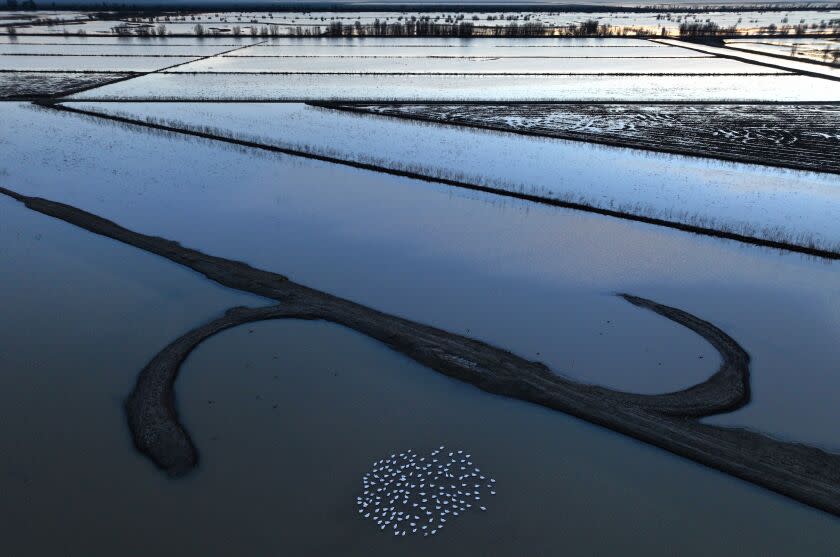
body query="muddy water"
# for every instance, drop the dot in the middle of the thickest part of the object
(84, 314)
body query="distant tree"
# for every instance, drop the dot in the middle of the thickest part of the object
(199, 30)
(589, 27)
(161, 30)
(122, 30)
(706, 29)
(11, 30)
(237, 30)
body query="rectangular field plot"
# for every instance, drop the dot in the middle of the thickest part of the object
(786, 63)
(739, 197)
(230, 42)
(89, 63)
(477, 48)
(23, 84)
(479, 65)
(535, 42)
(796, 136)
(817, 50)
(114, 49)
(173, 86)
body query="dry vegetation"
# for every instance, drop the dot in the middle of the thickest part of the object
(30, 84)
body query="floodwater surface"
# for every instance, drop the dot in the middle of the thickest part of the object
(287, 417)
(537, 280)
(794, 206)
(472, 64)
(755, 88)
(90, 63)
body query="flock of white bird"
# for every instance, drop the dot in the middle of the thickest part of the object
(410, 494)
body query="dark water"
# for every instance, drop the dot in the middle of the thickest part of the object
(84, 314)
(288, 416)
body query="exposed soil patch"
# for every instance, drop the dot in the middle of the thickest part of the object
(805, 137)
(40, 84)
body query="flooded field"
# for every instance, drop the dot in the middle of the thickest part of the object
(70, 63)
(816, 50)
(634, 181)
(135, 214)
(469, 65)
(255, 87)
(582, 331)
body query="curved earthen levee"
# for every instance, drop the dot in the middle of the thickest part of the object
(807, 474)
(158, 433)
(150, 407)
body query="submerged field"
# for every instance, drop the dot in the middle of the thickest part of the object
(492, 192)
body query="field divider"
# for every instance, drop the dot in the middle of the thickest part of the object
(36, 55)
(141, 74)
(398, 56)
(735, 56)
(491, 74)
(397, 101)
(695, 229)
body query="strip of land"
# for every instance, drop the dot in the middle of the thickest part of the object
(670, 420)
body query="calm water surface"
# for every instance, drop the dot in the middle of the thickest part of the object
(288, 416)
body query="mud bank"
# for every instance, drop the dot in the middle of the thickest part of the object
(668, 420)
